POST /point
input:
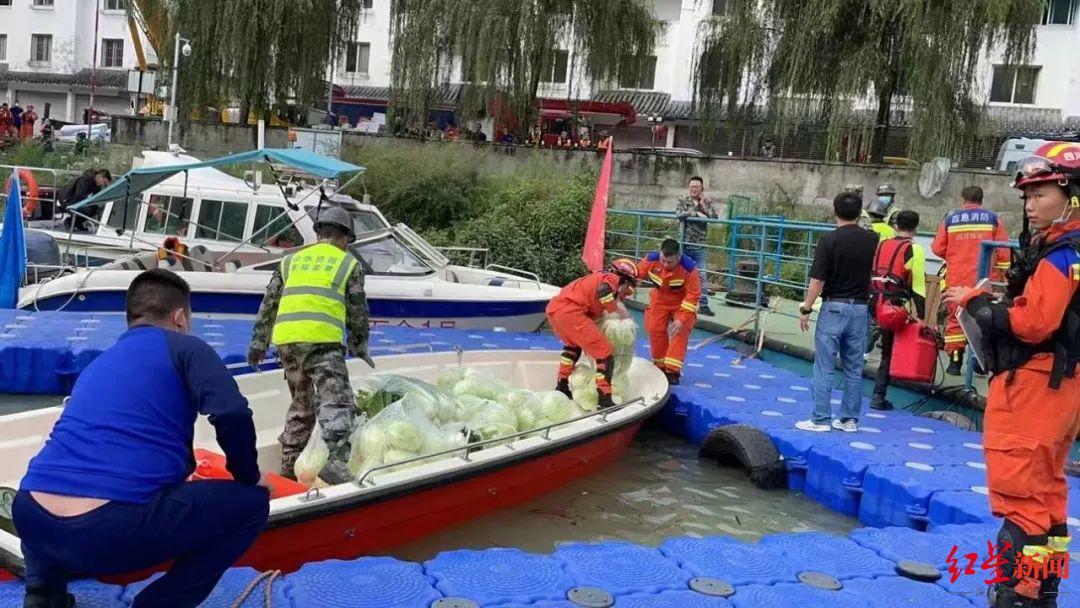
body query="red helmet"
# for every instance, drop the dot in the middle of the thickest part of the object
(1057, 161)
(625, 268)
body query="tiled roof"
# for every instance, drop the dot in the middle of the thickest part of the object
(448, 95)
(105, 79)
(648, 103)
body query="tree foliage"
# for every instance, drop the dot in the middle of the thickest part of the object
(815, 59)
(263, 55)
(503, 47)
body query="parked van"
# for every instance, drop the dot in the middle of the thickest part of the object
(1016, 149)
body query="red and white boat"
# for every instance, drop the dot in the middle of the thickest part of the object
(387, 508)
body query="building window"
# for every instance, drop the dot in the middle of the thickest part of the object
(719, 7)
(367, 5)
(1059, 12)
(48, 3)
(41, 48)
(556, 71)
(1014, 84)
(638, 74)
(5, 2)
(3, 47)
(357, 57)
(112, 53)
(115, 5)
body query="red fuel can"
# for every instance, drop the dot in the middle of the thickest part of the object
(915, 354)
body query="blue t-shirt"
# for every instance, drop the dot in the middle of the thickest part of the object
(128, 428)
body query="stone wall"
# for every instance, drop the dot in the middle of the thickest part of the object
(640, 181)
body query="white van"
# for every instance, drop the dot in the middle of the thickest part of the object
(1016, 149)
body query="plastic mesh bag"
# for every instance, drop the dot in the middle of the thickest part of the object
(377, 391)
(401, 431)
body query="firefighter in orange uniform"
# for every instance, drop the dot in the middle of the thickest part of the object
(573, 313)
(673, 305)
(958, 241)
(1031, 343)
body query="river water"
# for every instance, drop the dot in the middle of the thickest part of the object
(659, 489)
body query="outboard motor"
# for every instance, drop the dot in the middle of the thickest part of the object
(42, 256)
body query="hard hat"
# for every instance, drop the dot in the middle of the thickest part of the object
(337, 217)
(1053, 162)
(625, 268)
(879, 206)
(886, 189)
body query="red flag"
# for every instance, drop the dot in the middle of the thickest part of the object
(593, 253)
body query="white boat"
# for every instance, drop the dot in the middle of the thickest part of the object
(241, 219)
(390, 505)
(408, 281)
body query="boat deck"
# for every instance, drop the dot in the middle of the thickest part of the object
(919, 483)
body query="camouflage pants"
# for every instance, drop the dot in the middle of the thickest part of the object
(316, 374)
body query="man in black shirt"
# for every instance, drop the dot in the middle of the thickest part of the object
(840, 274)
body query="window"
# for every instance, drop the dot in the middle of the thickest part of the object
(112, 53)
(273, 228)
(5, 2)
(388, 256)
(362, 221)
(41, 48)
(719, 7)
(556, 72)
(115, 5)
(123, 215)
(1014, 84)
(168, 215)
(43, 3)
(221, 221)
(638, 74)
(1059, 12)
(357, 57)
(367, 5)
(3, 47)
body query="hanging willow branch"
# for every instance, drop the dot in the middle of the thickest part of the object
(262, 55)
(825, 57)
(502, 48)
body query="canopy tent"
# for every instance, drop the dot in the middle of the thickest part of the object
(138, 180)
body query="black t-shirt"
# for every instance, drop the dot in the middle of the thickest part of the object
(845, 260)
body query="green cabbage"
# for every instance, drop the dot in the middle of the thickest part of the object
(557, 407)
(403, 435)
(450, 377)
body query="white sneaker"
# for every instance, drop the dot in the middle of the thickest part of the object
(813, 427)
(848, 426)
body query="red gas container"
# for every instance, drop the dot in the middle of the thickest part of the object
(211, 465)
(915, 354)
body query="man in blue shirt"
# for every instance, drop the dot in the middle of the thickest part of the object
(108, 494)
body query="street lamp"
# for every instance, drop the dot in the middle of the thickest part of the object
(175, 74)
(654, 126)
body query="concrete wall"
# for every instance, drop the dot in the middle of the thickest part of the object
(202, 140)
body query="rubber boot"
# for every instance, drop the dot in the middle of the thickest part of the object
(1015, 591)
(335, 471)
(1058, 540)
(879, 402)
(604, 400)
(956, 362)
(673, 378)
(563, 386)
(36, 599)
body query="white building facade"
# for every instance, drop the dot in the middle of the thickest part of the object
(51, 58)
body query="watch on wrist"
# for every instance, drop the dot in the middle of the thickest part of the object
(804, 310)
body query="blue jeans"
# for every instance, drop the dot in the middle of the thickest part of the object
(841, 330)
(204, 525)
(700, 255)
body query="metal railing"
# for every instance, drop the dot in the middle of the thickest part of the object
(986, 256)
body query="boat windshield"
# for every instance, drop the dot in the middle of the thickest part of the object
(388, 256)
(366, 221)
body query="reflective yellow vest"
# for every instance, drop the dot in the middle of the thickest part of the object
(312, 307)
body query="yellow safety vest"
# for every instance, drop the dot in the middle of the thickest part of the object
(883, 230)
(312, 307)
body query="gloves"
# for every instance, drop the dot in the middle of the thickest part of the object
(255, 357)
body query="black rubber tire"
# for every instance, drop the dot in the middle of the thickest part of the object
(956, 419)
(749, 448)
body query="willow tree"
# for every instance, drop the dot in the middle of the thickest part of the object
(501, 49)
(827, 56)
(262, 55)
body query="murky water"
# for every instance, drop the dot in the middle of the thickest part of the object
(659, 489)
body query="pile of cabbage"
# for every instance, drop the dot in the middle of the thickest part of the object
(622, 334)
(402, 419)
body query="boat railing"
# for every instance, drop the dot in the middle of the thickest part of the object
(517, 272)
(395, 348)
(465, 451)
(58, 178)
(477, 256)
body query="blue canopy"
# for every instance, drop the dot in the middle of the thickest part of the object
(136, 181)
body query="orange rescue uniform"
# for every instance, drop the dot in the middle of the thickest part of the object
(1029, 426)
(674, 298)
(573, 313)
(958, 242)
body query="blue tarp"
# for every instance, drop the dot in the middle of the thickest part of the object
(136, 181)
(12, 247)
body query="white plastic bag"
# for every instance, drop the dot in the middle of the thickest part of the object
(401, 431)
(312, 459)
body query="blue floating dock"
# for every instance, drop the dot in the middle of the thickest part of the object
(620, 568)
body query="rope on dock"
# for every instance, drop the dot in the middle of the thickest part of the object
(269, 576)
